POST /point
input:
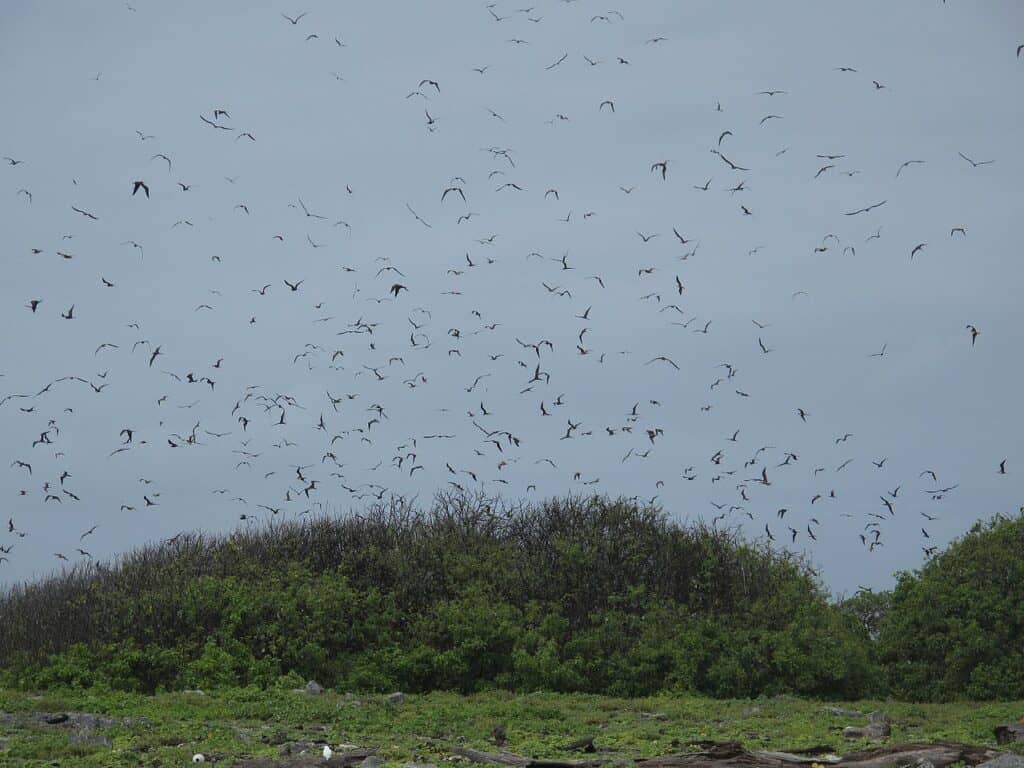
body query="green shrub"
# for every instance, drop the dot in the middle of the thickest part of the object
(575, 595)
(215, 668)
(956, 627)
(76, 667)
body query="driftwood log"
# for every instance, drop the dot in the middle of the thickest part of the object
(733, 755)
(338, 760)
(520, 761)
(727, 754)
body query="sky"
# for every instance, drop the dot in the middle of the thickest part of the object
(320, 151)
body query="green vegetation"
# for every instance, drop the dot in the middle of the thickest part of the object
(575, 595)
(234, 723)
(956, 628)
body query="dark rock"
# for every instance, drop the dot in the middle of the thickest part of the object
(840, 712)
(878, 727)
(653, 716)
(298, 754)
(872, 731)
(92, 722)
(500, 735)
(1004, 761)
(90, 740)
(585, 744)
(817, 749)
(80, 720)
(1008, 734)
(880, 730)
(294, 747)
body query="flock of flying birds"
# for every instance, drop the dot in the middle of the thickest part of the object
(378, 342)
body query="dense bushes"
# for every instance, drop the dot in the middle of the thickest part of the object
(586, 595)
(956, 628)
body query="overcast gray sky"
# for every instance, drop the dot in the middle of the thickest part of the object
(337, 115)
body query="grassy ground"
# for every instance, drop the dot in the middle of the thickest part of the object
(240, 723)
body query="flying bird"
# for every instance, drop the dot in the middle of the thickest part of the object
(216, 125)
(907, 163)
(417, 216)
(865, 209)
(555, 64)
(973, 163)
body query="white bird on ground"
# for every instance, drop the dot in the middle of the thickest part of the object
(198, 757)
(327, 752)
